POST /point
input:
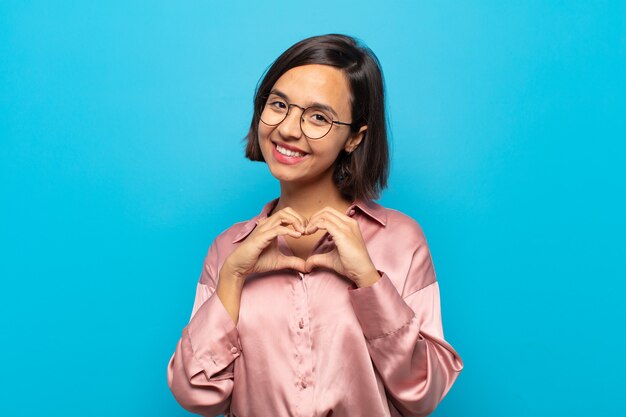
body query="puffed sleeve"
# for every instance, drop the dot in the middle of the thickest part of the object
(405, 337)
(200, 372)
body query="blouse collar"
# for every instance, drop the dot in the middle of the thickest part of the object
(370, 208)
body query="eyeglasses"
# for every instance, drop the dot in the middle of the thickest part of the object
(315, 122)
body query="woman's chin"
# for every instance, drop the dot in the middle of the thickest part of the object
(283, 177)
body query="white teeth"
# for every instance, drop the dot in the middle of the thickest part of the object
(288, 152)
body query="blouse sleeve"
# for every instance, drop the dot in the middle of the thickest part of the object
(405, 338)
(200, 372)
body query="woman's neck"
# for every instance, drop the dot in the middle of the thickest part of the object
(310, 198)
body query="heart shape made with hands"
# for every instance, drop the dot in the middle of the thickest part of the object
(324, 235)
(348, 257)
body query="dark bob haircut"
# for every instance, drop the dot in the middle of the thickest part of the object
(364, 172)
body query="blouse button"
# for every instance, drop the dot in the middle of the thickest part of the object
(301, 324)
(234, 350)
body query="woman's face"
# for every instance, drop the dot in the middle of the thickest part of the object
(315, 159)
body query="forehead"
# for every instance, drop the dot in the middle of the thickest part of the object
(317, 84)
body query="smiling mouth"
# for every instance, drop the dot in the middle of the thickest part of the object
(288, 152)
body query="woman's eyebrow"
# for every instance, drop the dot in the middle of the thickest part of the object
(314, 104)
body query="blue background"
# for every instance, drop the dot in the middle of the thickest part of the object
(121, 159)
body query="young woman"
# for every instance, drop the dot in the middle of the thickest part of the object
(325, 303)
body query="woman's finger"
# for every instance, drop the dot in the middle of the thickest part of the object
(331, 213)
(334, 212)
(279, 230)
(294, 213)
(328, 222)
(265, 237)
(269, 223)
(290, 262)
(324, 260)
(283, 217)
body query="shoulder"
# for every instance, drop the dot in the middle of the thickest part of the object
(222, 246)
(226, 241)
(401, 225)
(232, 233)
(401, 251)
(228, 238)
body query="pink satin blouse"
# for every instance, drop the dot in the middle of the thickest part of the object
(315, 344)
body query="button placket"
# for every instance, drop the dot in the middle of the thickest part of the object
(302, 338)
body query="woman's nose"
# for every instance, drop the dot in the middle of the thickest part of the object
(290, 127)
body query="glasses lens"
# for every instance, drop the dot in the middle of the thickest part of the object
(274, 111)
(316, 123)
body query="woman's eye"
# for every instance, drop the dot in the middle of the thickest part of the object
(277, 104)
(320, 118)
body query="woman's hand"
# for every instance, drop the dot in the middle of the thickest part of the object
(259, 252)
(349, 257)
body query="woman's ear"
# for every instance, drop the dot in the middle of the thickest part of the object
(355, 139)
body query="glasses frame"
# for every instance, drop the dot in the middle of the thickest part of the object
(304, 109)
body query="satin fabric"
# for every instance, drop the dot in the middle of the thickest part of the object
(315, 344)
